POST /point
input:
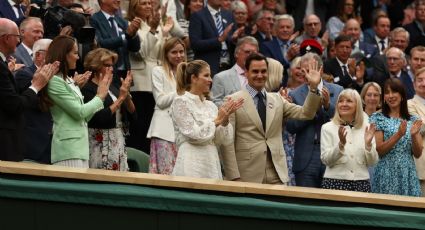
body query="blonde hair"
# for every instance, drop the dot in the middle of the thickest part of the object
(131, 13)
(169, 45)
(185, 71)
(358, 117)
(95, 59)
(366, 87)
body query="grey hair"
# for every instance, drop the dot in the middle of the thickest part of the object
(41, 44)
(26, 21)
(247, 39)
(261, 13)
(401, 53)
(305, 18)
(312, 56)
(280, 17)
(399, 30)
(238, 5)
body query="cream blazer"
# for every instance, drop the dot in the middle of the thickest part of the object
(246, 157)
(417, 108)
(353, 161)
(164, 91)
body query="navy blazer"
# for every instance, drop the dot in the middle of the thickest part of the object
(408, 84)
(6, 11)
(416, 36)
(203, 36)
(305, 130)
(368, 50)
(332, 67)
(272, 49)
(38, 124)
(22, 56)
(116, 44)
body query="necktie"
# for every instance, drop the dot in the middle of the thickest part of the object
(344, 70)
(20, 14)
(219, 23)
(382, 45)
(261, 107)
(113, 27)
(284, 48)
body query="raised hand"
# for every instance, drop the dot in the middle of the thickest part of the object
(326, 98)
(293, 51)
(226, 31)
(154, 20)
(125, 85)
(369, 134)
(81, 79)
(284, 93)
(229, 106)
(402, 128)
(342, 134)
(313, 74)
(104, 83)
(294, 35)
(44, 74)
(416, 127)
(134, 26)
(168, 25)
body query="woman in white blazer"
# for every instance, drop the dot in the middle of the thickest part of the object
(163, 151)
(347, 146)
(153, 33)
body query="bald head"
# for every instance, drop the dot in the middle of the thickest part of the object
(352, 29)
(312, 25)
(9, 36)
(7, 26)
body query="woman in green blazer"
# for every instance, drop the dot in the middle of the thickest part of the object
(70, 145)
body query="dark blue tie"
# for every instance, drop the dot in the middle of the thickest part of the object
(113, 27)
(261, 107)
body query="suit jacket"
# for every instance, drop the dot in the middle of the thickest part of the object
(6, 11)
(164, 91)
(368, 50)
(260, 38)
(246, 157)
(332, 67)
(12, 107)
(306, 130)
(22, 56)
(117, 44)
(38, 124)
(273, 50)
(70, 117)
(203, 36)
(408, 84)
(417, 108)
(225, 83)
(416, 36)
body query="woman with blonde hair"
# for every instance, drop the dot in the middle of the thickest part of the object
(163, 151)
(371, 97)
(200, 127)
(106, 128)
(347, 146)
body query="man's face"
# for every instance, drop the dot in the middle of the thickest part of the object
(11, 40)
(257, 74)
(419, 85)
(265, 23)
(33, 32)
(352, 29)
(382, 27)
(343, 50)
(420, 13)
(243, 52)
(215, 3)
(399, 40)
(111, 5)
(312, 26)
(394, 61)
(284, 29)
(417, 60)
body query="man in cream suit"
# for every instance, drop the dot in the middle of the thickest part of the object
(416, 107)
(257, 153)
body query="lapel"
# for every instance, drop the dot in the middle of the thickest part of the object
(75, 90)
(235, 79)
(210, 20)
(277, 49)
(303, 92)
(251, 110)
(419, 106)
(270, 111)
(9, 74)
(105, 24)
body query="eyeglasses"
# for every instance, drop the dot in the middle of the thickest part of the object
(18, 36)
(313, 24)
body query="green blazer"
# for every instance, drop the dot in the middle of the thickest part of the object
(70, 117)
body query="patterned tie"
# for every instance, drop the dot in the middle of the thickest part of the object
(113, 27)
(261, 107)
(19, 10)
(219, 23)
(382, 45)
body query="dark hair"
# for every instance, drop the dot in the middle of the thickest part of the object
(375, 22)
(255, 57)
(187, 12)
(343, 38)
(396, 86)
(341, 13)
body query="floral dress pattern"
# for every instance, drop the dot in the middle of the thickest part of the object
(395, 172)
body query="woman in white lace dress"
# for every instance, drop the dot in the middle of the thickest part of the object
(199, 125)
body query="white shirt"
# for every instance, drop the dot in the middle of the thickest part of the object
(378, 41)
(27, 49)
(341, 64)
(120, 32)
(15, 10)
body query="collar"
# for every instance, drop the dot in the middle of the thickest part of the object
(397, 75)
(12, 3)
(420, 27)
(347, 123)
(107, 15)
(212, 10)
(341, 63)
(319, 87)
(27, 48)
(379, 39)
(420, 99)
(357, 44)
(281, 42)
(2, 56)
(192, 96)
(253, 92)
(239, 70)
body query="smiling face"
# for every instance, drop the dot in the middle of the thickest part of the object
(257, 74)
(372, 97)
(176, 55)
(419, 84)
(346, 108)
(144, 9)
(297, 75)
(343, 50)
(392, 99)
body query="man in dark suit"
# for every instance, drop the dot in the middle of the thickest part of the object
(381, 27)
(352, 29)
(13, 10)
(31, 30)
(13, 104)
(209, 33)
(415, 28)
(307, 166)
(114, 33)
(38, 123)
(264, 22)
(339, 67)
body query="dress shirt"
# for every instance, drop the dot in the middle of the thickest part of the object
(253, 92)
(378, 41)
(27, 49)
(346, 65)
(15, 9)
(120, 32)
(396, 75)
(241, 75)
(213, 13)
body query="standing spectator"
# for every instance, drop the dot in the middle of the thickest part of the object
(209, 33)
(31, 30)
(257, 154)
(163, 151)
(415, 28)
(38, 122)
(190, 7)
(347, 146)
(371, 97)
(200, 126)
(70, 142)
(115, 34)
(307, 166)
(106, 135)
(12, 103)
(13, 10)
(417, 108)
(240, 14)
(345, 11)
(381, 27)
(397, 141)
(264, 22)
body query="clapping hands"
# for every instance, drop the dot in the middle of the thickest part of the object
(229, 106)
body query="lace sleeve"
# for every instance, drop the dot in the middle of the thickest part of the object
(197, 131)
(224, 135)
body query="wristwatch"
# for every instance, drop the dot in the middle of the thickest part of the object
(315, 91)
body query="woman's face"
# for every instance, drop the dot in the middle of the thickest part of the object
(346, 108)
(176, 55)
(241, 16)
(349, 7)
(372, 97)
(144, 8)
(297, 75)
(109, 63)
(195, 5)
(392, 98)
(72, 57)
(203, 81)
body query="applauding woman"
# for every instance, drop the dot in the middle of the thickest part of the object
(348, 146)
(106, 136)
(199, 125)
(397, 141)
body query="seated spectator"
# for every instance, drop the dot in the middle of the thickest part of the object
(398, 141)
(200, 127)
(70, 142)
(312, 29)
(415, 28)
(371, 97)
(31, 30)
(352, 29)
(264, 22)
(107, 126)
(347, 146)
(417, 60)
(345, 11)
(381, 29)
(163, 151)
